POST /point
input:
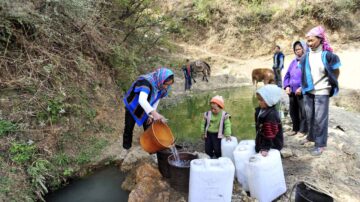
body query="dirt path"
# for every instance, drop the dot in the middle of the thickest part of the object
(206, 53)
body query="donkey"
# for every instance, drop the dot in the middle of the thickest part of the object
(200, 66)
(262, 74)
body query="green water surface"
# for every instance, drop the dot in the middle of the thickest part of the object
(185, 116)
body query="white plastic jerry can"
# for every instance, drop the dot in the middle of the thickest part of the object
(242, 153)
(211, 180)
(228, 147)
(266, 176)
(247, 142)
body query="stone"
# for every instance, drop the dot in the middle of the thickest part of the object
(149, 185)
(129, 182)
(149, 189)
(134, 157)
(286, 152)
(349, 150)
(146, 170)
(287, 128)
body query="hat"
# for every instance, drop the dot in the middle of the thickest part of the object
(270, 93)
(218, 100)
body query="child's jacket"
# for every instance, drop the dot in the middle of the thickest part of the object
(269, 133)
(219, 123)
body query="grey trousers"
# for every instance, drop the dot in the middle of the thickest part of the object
(317, 118)
(278, 77)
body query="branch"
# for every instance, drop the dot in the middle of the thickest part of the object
(152, 45)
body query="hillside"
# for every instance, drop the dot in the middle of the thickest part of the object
(245, 29)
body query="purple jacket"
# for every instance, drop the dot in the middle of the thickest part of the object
(292, 77)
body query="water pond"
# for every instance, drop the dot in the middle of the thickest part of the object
(103, 185)
(185, 116)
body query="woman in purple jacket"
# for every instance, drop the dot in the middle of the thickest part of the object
(292, 86)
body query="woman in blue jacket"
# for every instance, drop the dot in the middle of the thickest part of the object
(142, 99)
(320, 71)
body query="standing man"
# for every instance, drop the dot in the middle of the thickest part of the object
(187, 74)
(320, 72)
(278, 65)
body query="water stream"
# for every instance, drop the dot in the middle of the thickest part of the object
(175, 153)
(177, 160)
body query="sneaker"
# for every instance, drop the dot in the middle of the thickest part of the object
(317, 151)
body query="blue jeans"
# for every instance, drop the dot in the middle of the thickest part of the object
(317, 118)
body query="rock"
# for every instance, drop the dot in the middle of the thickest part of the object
(149, 185)
(134, 157)
(147, 170)
(286, 152)
(129, 182)
(150, 190)
(239, 195)
(357, 164)
(349, 149)
(287, 128)
(136, 176)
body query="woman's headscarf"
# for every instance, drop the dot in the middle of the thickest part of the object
(303, 45)
(157, 79)
(319, 31)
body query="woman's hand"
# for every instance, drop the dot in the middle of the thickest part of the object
(156, 116)
(298, 91)
(288, 90)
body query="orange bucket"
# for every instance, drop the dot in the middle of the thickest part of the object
(157, 137)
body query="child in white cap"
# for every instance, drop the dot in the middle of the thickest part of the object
(269, 133)
(215, 125)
